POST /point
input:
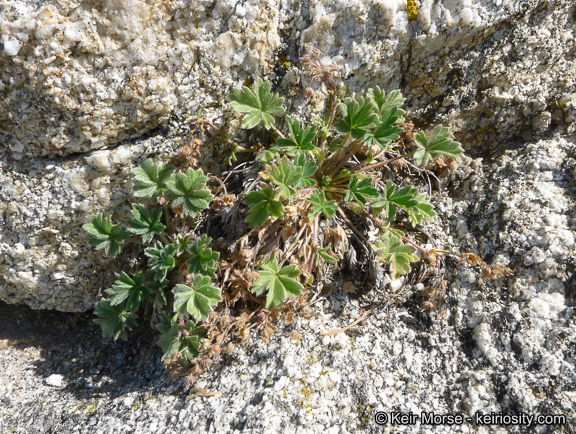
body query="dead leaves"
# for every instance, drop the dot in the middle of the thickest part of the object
(488, 271)
(495, 271)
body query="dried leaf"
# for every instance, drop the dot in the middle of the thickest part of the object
(289, 318)
(429, 306)
(295, 335)
(496, 271)
(349, 287)
(267, 333)
(429, 292)
(472, 258)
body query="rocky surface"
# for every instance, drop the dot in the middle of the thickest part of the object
(506, 345)
(78, 79)
(88, 89)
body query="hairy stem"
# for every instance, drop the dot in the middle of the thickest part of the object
(383, 163)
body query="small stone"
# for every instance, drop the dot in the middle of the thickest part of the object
(54, 380)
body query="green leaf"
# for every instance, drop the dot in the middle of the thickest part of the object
(322, 254)
(144, 224)
(358, 117)
(203, 257)
(385, 103)
(262, 204)
(198, 299)
(259, 104)
(187, 189)
(267, 156)
(300, 141)
(285, 175)
(403, 198)
(439, 143)
(150, 179)
(422, 210)
(105, 235)
(174, 340)
(309, 169)
(328, 208)
(158, 289)
(114, 320)
(134, 289)
(360, 191)
(184, 242)
(162, 259)
(386, 130)
(390, 249)
(279, 284)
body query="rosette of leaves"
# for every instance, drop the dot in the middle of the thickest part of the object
(327, 170)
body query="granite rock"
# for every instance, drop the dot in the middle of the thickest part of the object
(79, 79)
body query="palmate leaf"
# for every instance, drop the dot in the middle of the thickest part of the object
(259, 104)
(390, 249)
(187, 189)
(394, 197)
(198, 299)
(134, 289)
(105, 235)
(114, 320)
(386, 130)
(285, 175)
(300, 139)
(358, 117)
(278, 283)
(262, 204)
(150, 179)
(203, 257)
(328, 208)
(360, 191)
(439, 143)
(184, 242)
(174, 340)
(162, 259)
(422, 210)
(384, 103)
(308, 170)
(144, 224)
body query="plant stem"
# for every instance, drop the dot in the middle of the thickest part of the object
(333, 109)
(382, 163)
(314, 242)
(168, 222)
(421, 249)
(277, 131)
(351, 226)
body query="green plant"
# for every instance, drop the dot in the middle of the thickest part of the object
(315, 180)
(180, 266)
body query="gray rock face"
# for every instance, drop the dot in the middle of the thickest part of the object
(77, 79)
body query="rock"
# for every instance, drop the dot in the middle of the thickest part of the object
(54, 380)
(80, 79)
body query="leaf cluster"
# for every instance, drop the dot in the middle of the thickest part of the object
(177, 279)
(318, 170)
(313, 180)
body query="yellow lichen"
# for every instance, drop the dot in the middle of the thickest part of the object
(412, 8)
